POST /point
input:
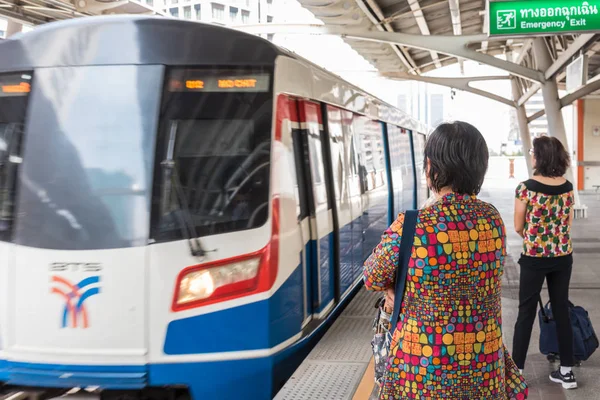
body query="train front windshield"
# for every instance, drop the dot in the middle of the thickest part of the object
(216, 132)
(14, 93)
(115, 155)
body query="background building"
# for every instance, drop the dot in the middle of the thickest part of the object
(4, 25)
(425, 102)
(539, 126)
(222, 12)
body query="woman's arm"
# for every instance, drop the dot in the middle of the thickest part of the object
(571, 217)
(572, 213)
(379, 269)
(520, 209)
(520, 212)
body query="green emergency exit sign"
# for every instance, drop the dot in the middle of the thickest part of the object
(535, 17)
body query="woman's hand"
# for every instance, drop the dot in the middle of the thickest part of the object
(389, 300)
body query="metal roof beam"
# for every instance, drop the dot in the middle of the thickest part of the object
(485, 44)
(592, 86)
(422, 23)
(402, 53)
(452, 45)
(457, 83)
(524, 51)
(17, 15)
(457, 26)
(534, 89)
(535, 116)
(529, 94)
(558, 64)
(407, 12)
(571, 51)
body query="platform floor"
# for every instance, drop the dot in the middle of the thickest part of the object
(339, 366)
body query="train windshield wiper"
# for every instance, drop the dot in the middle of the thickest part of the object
(171, 181)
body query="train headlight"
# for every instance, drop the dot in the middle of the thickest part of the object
(195, 286)
(216, 282)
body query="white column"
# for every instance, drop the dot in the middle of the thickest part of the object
(556, 123)
(523, 125)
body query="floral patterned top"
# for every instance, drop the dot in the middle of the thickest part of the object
(547, 229)
(448, 342)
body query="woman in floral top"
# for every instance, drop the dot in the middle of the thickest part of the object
(448, 341)
(543, 217)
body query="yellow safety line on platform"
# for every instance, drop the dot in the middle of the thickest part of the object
(365, 388)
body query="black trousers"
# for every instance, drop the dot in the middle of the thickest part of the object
(557, 271)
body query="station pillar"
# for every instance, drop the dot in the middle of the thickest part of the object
(13, 27)
(523, 126)
(556, 123)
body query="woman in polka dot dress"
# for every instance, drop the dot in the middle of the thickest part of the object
(448, 341)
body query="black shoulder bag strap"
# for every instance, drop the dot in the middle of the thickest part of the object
(543, 310)
(406, 244)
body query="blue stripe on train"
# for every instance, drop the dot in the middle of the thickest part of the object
(347, 273)
(326, 269)
(59, 375)
(3, 370)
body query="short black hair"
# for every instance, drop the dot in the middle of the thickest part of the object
(458, 157)
(551, 158)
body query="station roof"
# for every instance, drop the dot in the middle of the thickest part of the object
(36, 12)
(431, 17)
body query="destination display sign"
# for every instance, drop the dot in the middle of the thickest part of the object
(15, 85)
(210, 81)
(542, 17)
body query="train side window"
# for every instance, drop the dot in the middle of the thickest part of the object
(315, 154)
(358, 169)
(14, 96)
(298, 166)
(369, 139)
(338, 159)
(303, 195)
(350, 154)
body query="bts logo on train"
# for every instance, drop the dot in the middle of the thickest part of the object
(75, 295)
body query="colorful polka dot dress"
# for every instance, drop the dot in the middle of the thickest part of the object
(448, 342)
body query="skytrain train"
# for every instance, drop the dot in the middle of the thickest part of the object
(184, 207)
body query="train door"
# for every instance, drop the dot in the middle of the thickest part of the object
(322, 233)
(417, 142)
(369, 137)
(336, 151)
(401, 169)
(354, 193)
(388, 167)
(288, 121)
